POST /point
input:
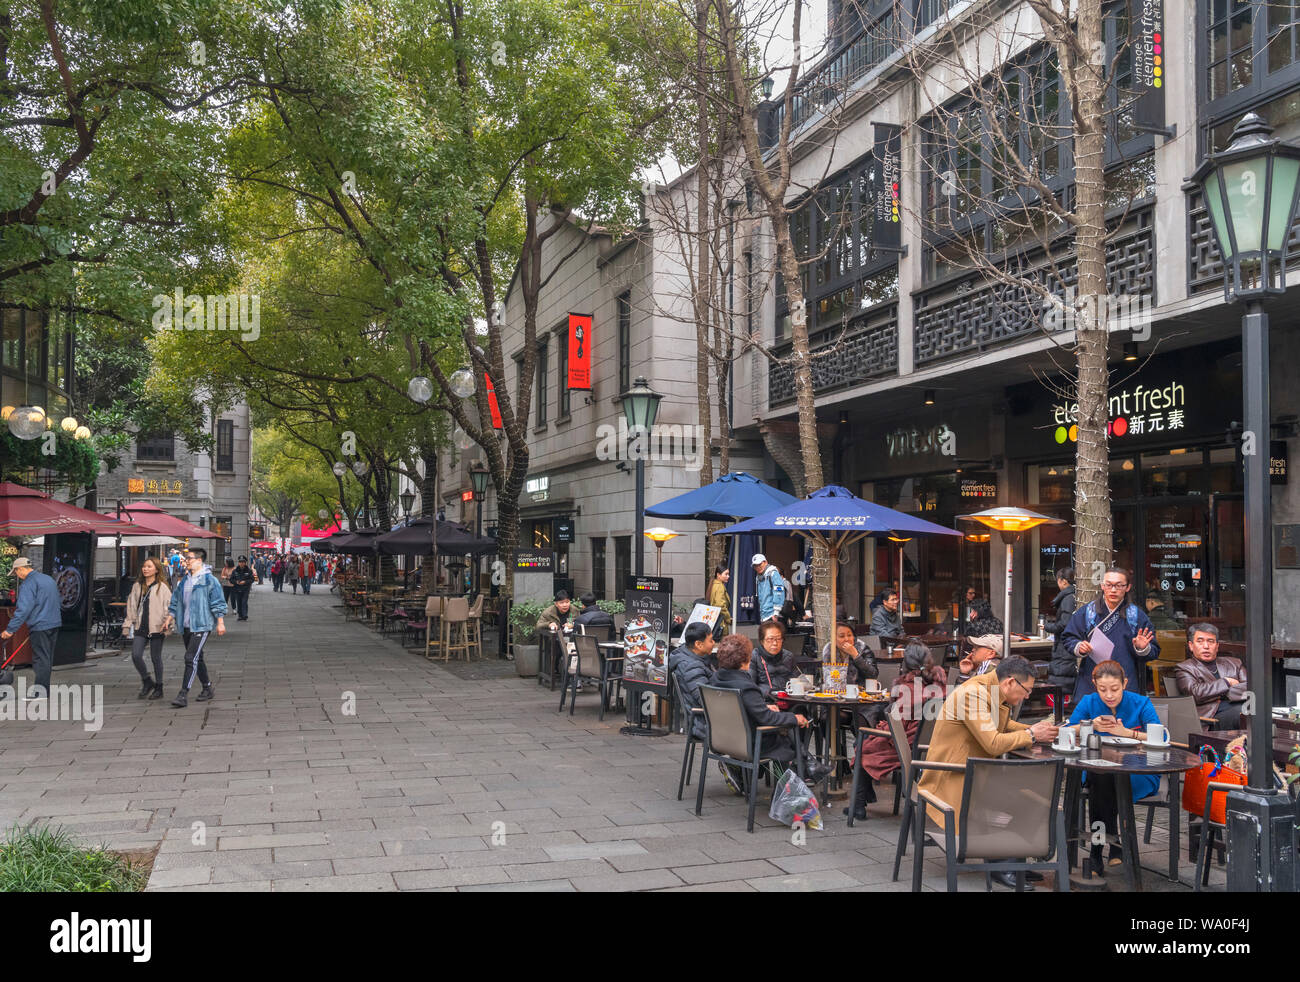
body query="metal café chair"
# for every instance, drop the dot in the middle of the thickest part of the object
(734, 739)
(1008, 818)
(688, 751)
(588, 662)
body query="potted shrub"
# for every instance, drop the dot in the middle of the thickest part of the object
(523, 621)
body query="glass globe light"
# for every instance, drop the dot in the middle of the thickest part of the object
(322, 514)
(360, 468)
(462, 383)
(27, 422)
(420, 389)
(69, 424)
(5, 413)
(461, 439)
(340, 468)
(82, 433)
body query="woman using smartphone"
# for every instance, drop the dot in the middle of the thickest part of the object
(146, 615)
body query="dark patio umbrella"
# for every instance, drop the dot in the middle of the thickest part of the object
(358, 543)
(453, 540)
(730, 498)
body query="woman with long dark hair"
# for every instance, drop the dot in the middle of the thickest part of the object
(146, 616)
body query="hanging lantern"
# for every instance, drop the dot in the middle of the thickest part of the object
(69, 424)
(461, 439)
(360, 469)
(82, 433)
(420, 389)
(462, 383)
(339, 468)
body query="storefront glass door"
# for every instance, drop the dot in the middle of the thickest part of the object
(1228, 583)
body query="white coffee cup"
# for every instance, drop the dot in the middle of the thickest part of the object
(1065, 737)
(870, 685)
(794, 687)
(850, 692)
(1157, 735)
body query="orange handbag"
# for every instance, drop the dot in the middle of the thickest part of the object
(1196, 781)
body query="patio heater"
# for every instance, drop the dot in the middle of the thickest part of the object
(640, 406)
(1010, 522)
(1250, 190)
(659, 535)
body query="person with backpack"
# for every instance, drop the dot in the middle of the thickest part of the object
(1126, 628)
(196, 606)
(770, 586)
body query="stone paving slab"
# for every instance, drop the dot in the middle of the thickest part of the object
(447, 777)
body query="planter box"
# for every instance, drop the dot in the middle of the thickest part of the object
(527, 660)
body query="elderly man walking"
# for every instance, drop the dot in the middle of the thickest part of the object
(38, 607)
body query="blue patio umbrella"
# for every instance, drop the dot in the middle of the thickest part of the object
(836, 518)
(731, 497)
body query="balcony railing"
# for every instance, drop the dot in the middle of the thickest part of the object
(842, 358)
(973, 314)
(830, 81)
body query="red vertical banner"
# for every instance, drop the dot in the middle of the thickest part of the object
(580, 351)
(492, 403)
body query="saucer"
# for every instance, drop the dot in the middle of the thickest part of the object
(1066, 750)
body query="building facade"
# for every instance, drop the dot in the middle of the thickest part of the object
(949, 388)
(208, 489)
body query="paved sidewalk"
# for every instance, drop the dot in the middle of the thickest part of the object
(434, 783)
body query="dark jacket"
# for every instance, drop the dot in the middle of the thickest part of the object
(691, 672)
(862, 666)
(887, 625)
(775, 744)
(551, 615)
(1197, 679)
(241, 578)
(594, 617)
(1064, 666)
(771, 673)
(1130, 621)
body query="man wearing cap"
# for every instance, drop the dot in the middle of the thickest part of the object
(769, 586)
(38, 607)
(241, 582)
(985, 653)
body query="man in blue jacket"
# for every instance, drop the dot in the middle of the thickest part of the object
(38, 607)
(770, 587)
(196, 604)
(1127, 628)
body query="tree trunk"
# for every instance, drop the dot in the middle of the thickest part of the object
(1092, 516)
(704, 298)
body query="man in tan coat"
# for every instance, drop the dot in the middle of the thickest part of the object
(976, 722)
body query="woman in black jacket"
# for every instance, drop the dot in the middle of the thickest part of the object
(1064, 667)
(772, 666)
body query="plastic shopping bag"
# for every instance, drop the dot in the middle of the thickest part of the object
(792, 801)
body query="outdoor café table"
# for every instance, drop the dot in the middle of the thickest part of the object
(813, 700)
(1121, 762)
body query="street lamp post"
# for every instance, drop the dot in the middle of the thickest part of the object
(640, 405)
(478, 476)
(1251, 191)
(1010, 522)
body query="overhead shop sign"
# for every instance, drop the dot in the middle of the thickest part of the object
(1148, 20)
(886, 230)
(580, 352)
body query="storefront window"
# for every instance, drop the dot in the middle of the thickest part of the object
(1225, 471)
(1178, 472)
(1123, 478)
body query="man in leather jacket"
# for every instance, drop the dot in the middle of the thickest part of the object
(1217, 682)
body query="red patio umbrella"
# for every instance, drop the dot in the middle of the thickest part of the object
(154, 519)
(27, 512)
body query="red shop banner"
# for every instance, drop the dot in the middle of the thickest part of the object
(492, 402)
(580, 351)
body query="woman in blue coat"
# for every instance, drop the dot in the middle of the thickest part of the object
(1115, 710)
